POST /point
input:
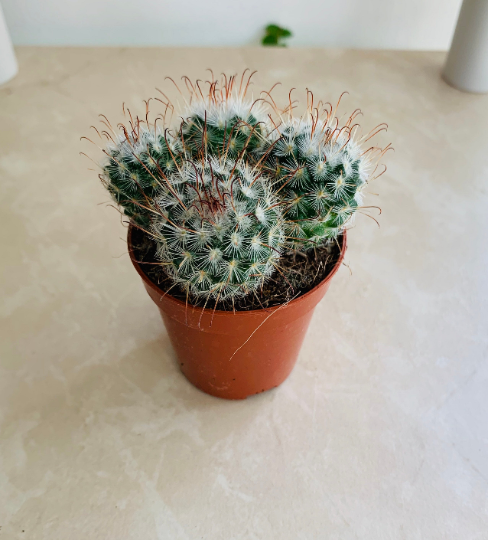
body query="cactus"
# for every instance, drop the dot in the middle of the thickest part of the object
(219, 229)
(227, 191)
(223, 122)
(319, 172)
(137, 163)
(217, 225)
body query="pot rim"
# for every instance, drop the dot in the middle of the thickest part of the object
(168, 297)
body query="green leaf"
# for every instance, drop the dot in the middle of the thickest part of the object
(270, 40)
(273, 35)
(273, 29)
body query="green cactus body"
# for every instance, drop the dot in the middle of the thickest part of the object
(219, 232)
(319, 175)
(136, 167)
(227, 127)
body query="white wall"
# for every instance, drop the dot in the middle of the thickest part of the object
(395, 24)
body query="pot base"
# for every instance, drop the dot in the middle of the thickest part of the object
(228, 368)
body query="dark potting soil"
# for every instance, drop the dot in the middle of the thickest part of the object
(300, 272)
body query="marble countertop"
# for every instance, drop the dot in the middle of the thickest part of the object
(381, 431)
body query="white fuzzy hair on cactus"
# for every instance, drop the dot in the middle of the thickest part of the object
(226, 99)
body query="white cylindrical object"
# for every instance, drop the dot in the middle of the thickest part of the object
(467, 62)
(8, 62)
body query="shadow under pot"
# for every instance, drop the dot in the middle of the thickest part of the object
(234, 355)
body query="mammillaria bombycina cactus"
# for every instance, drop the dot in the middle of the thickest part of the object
(223, 121)
(219, 231)
(236, 182)
(138, 161)
(320, 170)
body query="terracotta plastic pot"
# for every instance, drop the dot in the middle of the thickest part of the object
(235, 355)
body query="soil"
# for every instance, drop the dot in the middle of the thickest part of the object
(301, 272)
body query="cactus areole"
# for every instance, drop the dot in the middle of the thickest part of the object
(237, 212)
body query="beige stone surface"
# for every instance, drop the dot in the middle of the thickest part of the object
(381, 431)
